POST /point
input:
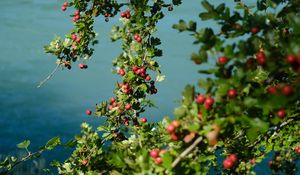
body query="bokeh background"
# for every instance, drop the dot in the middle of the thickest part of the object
(57, 108)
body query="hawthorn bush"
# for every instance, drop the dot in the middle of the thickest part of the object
(244, 112)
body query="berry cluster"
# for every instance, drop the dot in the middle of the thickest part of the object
(126, 14)
(229, 162)
(207, 101)
(155, 154)
(171, 129)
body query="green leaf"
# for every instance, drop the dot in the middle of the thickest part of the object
(24, 144)
(167, 160)
(207, 6)
(188, 95)
(52, 143)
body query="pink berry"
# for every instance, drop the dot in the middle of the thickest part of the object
(143, 120)
(128, 106)
(228, 164)
(82, 66)
(112, 99)
(170, 129)
(88, 112)
(63, 8)
(148, 78)
(154, 153)
(77, 40)
(232, 157)
(158, 160)
(122, 72)
(76, 13)
(74, 37)
(77, 17)
(66, 3)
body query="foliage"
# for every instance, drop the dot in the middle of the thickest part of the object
(249, 108)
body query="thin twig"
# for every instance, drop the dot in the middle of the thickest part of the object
(49, 76)
(186, 151)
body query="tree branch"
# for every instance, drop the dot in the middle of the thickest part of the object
(186, 151)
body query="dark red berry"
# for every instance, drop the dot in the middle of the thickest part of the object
(272, 90)
(261, 58)
(291, 59)
(287, 90)
(174, 137)
(254, 30)
(232, 93)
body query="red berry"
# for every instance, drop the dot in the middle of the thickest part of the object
(77, 17)
(228, 164)
(134, 68)
(63, 8)
(142, 70)
(298, 59)
(122, 72)
(222, 60)
(261, 58)
(136, 36)
(88, 112)
(209, 101)
(82, 66)
(232, 157)
(143, 120)
(232, 93)
(158, 160)
(128, 106)
(207, 107)
(110, 107)
(200, 99)
(74, 19)
(148, 78)
(77, 40)
(297, 148)
(281, 113)
(112, 99)
(66, 3)
(254, 30)
(154, 153)
(76, 13)
(272, 90)
(74, 37)
(174, 137)
(123, 14)
(139, 39)
(287, 90)
(128, 14)
(291, 59)
(170, 129)
(114, 104)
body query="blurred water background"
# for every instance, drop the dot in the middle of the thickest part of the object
(57, 109)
